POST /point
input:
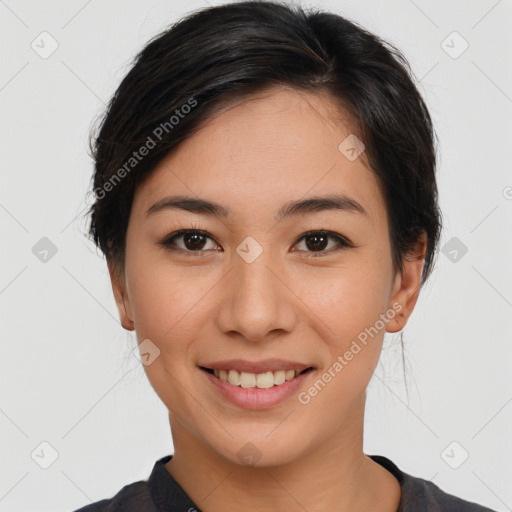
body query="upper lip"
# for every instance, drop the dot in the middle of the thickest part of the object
(265, 365)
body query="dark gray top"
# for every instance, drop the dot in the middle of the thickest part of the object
(161, 493)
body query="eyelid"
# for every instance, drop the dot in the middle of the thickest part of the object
(328, 233)
(167, 241)
(343, 242)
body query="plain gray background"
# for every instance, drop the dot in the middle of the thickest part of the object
(68, 376)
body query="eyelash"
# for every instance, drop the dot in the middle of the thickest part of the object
(343, 243)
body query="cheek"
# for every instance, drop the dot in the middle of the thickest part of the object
(348, 315)
(348, 307)
(167, 309)
(346, 301)
(166, 300)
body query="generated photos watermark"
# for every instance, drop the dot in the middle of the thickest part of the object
(304, 397)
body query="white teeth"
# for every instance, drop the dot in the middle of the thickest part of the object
(279, 377)
(252, 380)
(234, 377)
(265, 380)
(247, 380)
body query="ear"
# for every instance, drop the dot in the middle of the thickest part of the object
(121, 298)
(406, 287)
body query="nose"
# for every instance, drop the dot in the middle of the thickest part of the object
(258, 300)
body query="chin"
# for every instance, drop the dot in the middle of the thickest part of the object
(259, 450)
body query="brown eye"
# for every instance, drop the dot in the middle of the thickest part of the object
(192, 240)
(196, 241)
(318, 241)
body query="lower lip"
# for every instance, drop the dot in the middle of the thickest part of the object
(256, 398)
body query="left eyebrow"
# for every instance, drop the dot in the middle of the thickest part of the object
(292, 208)
(319, 204)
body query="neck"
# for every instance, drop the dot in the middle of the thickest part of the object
(334, 476)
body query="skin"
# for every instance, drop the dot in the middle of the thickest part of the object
(274, 147)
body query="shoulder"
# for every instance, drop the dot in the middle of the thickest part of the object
(131, 498)
(435, 499)
(419, 495)
(159, 491)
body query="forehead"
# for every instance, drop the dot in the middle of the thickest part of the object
(265, 150)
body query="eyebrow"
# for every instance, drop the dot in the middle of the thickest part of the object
(289, 209)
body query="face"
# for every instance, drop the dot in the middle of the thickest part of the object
(258, 286)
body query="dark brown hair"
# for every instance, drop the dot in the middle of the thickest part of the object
(188, 72)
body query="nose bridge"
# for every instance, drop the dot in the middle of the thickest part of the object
(258, 301)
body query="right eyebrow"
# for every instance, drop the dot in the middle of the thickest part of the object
(297, 207)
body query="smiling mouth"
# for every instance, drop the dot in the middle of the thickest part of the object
(256, 380)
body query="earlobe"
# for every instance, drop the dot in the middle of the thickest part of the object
(122, 301)
(406, 287)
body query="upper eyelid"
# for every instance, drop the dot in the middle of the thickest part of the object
(167, 239)
(342, 240)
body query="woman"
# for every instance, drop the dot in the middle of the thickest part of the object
(266, 200)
